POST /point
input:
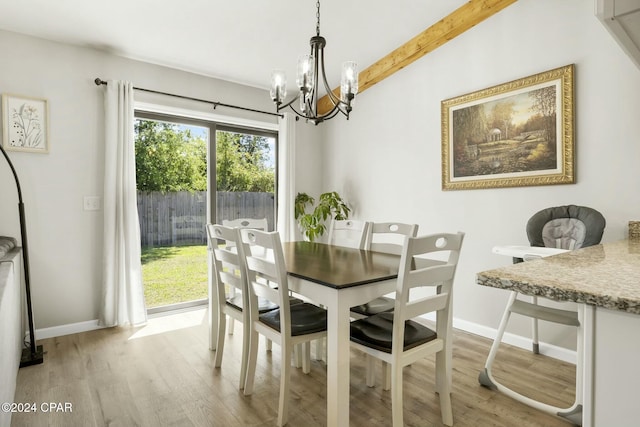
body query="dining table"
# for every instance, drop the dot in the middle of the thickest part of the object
(338, 278)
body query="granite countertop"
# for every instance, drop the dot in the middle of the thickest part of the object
(605, 275)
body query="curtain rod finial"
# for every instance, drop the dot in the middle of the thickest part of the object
(99, 81)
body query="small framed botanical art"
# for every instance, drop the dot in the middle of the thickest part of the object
(25, 124)
(515, 134)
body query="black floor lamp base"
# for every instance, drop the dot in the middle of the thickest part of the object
(29, 358)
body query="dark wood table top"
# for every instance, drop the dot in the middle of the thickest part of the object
(337, 266)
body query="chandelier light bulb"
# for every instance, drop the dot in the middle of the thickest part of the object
(305, 75)
(278, 86)
(349, 81)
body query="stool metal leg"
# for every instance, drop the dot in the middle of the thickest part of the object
(572, 413)
(534, 332)
(485, 378)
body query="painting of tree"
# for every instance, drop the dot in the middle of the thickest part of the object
(504, 134)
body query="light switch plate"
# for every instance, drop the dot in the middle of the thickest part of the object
(91, 203)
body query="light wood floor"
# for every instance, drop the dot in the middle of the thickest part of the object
(162, 375)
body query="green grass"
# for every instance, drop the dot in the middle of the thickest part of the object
(174, 274)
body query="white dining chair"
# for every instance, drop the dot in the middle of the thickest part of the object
(228, 293)
(263, 225)
(387, 237)
(255, 223)
(397, 338)
(287, 326)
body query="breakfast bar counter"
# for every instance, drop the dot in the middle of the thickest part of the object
(606, 275)
(605, 281)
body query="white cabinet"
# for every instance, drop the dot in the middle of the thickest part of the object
(622, 19)
(616, 370)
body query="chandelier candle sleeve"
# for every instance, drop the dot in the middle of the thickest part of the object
(349, 81)
(305, 73)
(278, 86)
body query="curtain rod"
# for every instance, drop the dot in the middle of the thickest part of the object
(98, 81)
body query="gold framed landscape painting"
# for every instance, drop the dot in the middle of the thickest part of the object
(519, 133)
(25, 123)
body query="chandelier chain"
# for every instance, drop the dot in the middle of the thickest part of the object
(318, 18)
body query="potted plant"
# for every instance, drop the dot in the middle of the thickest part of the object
(330, 205)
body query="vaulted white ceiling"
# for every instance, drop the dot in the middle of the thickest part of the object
(236, 40)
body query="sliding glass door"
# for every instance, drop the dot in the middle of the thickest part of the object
(179, 191)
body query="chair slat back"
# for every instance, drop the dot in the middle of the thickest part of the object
(228, 266)
(439, 276)
(428, 304)
(350, 233)
(388, 237)
(266, 272)
(418, 269)
(434, 275)
(255, 223)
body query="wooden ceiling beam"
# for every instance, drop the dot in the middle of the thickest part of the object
(454, 24)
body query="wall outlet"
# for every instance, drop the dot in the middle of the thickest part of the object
(91, 203)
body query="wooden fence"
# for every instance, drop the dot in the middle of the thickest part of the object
(179, 218)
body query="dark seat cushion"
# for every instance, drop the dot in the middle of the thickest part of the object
(378, 305)
(376, 331)
(305, 319)
(264, 304)
(292, 299)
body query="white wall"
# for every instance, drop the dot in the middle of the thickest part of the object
(66, 241)
(387, 158)
(308, 160)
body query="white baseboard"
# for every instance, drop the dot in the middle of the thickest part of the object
(546, 349)
(92, 325)
(68, 329)
(550, 350)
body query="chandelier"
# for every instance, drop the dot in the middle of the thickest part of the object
(307, 78)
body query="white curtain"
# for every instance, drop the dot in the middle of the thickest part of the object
(286, 176)
(122, 293)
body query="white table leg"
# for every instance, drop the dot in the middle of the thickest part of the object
(588, 331)
(338, 354)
